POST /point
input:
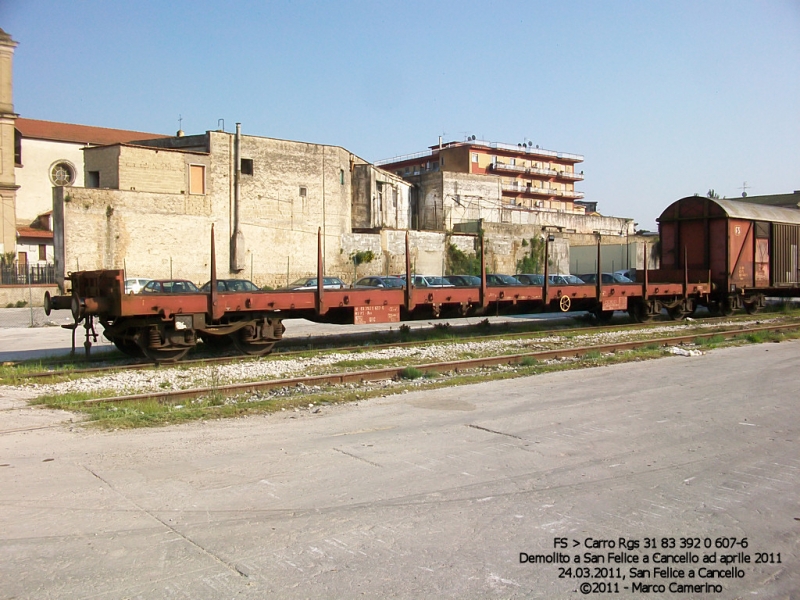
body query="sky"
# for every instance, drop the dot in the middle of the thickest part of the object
(664, 99)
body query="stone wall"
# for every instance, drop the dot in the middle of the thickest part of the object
(32, 296)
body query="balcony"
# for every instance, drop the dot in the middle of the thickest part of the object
(498, 166)
(546, 192)
(570, 176)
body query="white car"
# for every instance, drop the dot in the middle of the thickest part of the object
(134, 285)
(310, 283)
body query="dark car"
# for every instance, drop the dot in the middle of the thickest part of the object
(232, 285)
(530, 279)
(566, 280)
(380, 281)
(607, 278)
(494, 279)
(464, 280)
(169, 286)
(310, 283)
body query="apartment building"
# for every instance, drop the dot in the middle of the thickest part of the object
(460, 182)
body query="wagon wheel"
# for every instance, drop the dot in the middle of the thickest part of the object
(252, 348)
(720, 308)
(603, 316)
(165, 355)
(158, 354)
(676, 313)
(215, 342)
(639, 312)
(752, 306)
(128, 347)
(564, 303)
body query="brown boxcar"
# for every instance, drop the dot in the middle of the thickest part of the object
(751, 250)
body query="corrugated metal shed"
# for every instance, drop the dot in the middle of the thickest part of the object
(759, 212)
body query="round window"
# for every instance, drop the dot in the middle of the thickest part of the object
(62, 173)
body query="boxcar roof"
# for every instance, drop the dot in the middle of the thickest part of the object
(744, 210)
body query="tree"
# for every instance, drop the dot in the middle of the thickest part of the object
(712, 194)
(533, 260)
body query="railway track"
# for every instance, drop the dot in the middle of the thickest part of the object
(323, 343)
(344, 377)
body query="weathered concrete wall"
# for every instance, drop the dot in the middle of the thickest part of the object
(470, 198)
(148, 234)
(32, 296)
(428, 251)
(161, 171)
(380, 199)
(296, 189)
(626, 253)
(105, 161)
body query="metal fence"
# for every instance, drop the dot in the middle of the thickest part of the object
(25, 274)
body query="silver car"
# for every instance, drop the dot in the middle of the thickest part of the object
(134, 285)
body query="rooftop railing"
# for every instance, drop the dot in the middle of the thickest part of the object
(529, 150)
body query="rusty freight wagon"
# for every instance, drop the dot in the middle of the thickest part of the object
(750, 250)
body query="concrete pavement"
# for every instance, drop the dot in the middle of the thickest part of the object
(426, 494)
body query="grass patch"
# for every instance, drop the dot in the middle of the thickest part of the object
(528, 361)
(411, 373)
(709, 342)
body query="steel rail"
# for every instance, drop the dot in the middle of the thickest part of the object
(394, 372)
(213, 360)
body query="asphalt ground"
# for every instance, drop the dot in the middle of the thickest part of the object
(427, 494)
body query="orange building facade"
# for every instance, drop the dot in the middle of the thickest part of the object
(502, 176)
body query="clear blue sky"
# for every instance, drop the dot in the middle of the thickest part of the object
(663, 99)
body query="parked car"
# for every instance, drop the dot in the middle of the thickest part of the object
(566, 280)
(134, 285)
(494, 279)
(435, 281)
(232, 285)
(310, 283)
(418, 280)
(380, 281)
(629, 273)
(530, 279)
(607, 278)
(464, 280)
(169, 286)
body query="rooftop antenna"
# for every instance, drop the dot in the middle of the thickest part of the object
(744, 189)
(180, 126)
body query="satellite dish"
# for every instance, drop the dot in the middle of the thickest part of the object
(473, 137)
(530, 144)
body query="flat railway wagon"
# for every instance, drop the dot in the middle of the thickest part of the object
(750, 250)
(164, 327)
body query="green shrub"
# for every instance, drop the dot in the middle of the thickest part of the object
(411, 373)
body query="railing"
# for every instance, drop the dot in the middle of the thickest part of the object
(29, 274)
(499, 166)
(494, 145)
(541, 191)
(403, 157)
